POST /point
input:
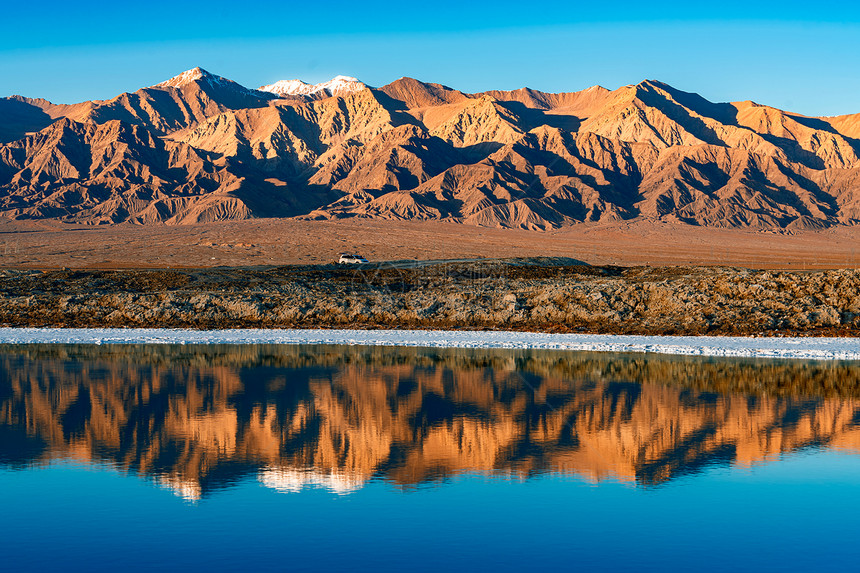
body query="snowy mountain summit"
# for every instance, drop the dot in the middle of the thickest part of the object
(339, 85)
(202, 78)
(192, 75)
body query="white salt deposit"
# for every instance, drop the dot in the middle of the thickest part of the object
(763, 347)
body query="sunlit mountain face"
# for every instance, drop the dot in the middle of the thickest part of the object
(198, 420)
(199, 148)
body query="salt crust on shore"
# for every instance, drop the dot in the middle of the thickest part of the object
(764, 347)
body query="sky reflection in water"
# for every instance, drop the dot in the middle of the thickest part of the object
(329, 457)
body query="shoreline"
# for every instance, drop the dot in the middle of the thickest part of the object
(531, 295)
(805, 348)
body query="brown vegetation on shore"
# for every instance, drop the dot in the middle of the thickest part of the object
(514, 295)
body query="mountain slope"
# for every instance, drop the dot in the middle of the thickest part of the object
(202, 147)
(113, 172)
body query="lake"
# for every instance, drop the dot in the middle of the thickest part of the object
(279, 457)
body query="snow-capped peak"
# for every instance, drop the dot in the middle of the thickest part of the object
(339, 85)
(201, 75)
(187, 77)
(289, 87)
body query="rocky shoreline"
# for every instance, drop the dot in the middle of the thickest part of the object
(535, 295)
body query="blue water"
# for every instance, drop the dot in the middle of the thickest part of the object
(68, 508)
(793, 514)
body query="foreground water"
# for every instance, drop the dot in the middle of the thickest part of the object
(311, 457)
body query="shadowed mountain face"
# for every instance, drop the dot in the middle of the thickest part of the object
(207, 149)
(198, 419)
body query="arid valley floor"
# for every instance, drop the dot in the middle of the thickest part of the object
(642, 279)
(265, 242)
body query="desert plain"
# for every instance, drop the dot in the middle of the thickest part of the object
(50, 244)
(635, 278)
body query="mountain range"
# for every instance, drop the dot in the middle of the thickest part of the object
(200, 148)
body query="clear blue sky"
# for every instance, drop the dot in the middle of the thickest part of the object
(801, 56)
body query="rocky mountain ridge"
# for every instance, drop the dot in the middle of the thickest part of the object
(200, 147)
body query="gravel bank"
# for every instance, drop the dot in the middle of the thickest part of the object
(508, 295)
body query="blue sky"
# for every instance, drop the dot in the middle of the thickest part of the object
(800, 56)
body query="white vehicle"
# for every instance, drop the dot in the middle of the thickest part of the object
(347, 259)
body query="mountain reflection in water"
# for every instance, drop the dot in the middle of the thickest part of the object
(200, 418)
